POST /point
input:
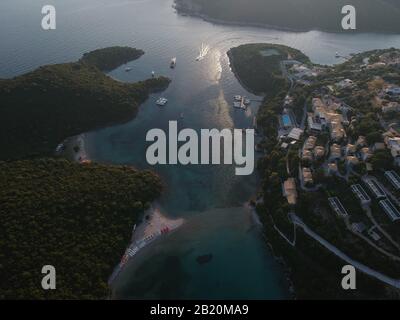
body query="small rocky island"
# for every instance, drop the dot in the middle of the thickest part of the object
(204, 259)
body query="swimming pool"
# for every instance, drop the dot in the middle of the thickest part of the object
(287, 122)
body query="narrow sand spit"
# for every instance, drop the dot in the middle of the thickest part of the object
(155, 226)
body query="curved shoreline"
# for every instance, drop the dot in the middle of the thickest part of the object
(279, 259)
(182, 11)
(152, 228)
(233, 69)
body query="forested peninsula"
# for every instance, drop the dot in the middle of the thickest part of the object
(75, 217)
(40, 109)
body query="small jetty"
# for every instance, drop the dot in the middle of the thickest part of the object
(241, 102)
(338, 56)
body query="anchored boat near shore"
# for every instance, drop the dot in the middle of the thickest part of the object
(241, 102)
(162, 102)
(173, 63)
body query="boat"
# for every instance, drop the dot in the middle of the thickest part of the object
(173, 63)
(237, 105)
(238, 98)
(337, 55)
(153, 74)
(162, 102)
(203, 52)
(247, 102)
(60, 148)
(128, 69)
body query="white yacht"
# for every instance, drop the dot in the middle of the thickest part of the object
(237, 105)
(162, 102)
(173, 63)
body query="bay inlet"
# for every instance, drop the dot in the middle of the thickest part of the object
(210, 198)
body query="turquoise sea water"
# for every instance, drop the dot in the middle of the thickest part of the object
(211, 198)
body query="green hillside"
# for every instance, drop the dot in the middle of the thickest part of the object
(372, 15)
(40, 109)
(77, 218)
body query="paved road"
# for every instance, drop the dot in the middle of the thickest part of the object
(367, 240)
(363, 268)
(388, 237)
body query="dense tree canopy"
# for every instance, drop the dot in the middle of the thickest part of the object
(77, 218)
(110, 58)
(40, 109)
(258, 66)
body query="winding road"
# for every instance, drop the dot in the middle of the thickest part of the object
(363, 268)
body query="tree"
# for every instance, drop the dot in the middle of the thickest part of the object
(382, 159)
(374, 137)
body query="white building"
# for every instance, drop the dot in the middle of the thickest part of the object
(295, 133)
(390, 209)
(394, 91)
(344, 84)
(361, 194)
(394, 179)
(394, 146)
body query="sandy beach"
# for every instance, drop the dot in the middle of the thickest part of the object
(154, 226)
(80, 155)
(74, 149)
